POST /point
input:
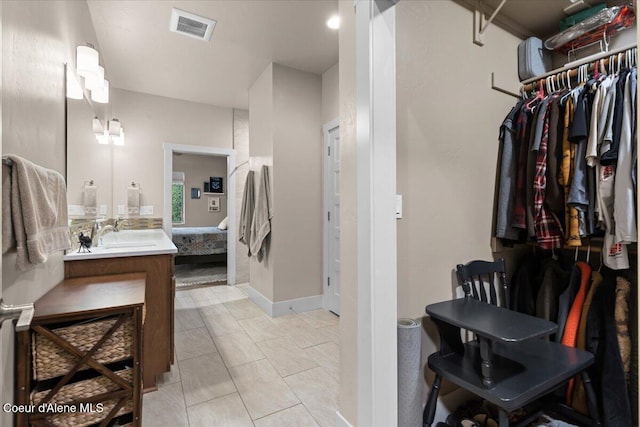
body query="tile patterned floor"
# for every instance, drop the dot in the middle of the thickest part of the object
(236, 366)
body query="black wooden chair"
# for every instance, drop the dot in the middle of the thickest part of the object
(508, 362)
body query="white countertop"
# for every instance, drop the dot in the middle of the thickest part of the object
(128, 243)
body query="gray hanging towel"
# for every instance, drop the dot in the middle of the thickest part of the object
(261, 223)
(246, 214)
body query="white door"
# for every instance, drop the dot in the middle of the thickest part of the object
(332, 217)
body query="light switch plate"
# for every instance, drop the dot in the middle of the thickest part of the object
(398, 206)
(121, 210)
(146, 210)
(102, 209)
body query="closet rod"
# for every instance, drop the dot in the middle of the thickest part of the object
(572, 68)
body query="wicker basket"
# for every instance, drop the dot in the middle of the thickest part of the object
(49, 360)
(82, 419)
(84, 389)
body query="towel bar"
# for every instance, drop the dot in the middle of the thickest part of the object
(23, 312)
(7, 162)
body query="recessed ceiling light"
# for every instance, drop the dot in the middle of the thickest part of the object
(334, 22)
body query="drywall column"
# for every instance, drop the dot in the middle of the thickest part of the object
(241, 145)
(297, 186)
(285, 132)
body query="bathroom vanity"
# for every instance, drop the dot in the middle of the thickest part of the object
(151, 252)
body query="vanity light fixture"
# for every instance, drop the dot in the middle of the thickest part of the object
(116, 132)
(95, 81)
(104, 138)
(87, 61)
(96, 126)
(101, 94)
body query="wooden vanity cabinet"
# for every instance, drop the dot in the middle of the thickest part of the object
(158, 350)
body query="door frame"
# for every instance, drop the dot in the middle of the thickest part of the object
(326, 129)
(169, 149)
(377, 374)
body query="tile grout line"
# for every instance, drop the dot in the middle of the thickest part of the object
(229, 372)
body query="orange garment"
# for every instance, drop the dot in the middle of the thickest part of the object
(572, 217)
(573, 319)
(579, 402)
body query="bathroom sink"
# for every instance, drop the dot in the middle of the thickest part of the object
(126, 243)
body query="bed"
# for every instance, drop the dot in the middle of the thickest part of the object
(199, 240)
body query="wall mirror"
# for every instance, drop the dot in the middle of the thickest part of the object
(87, 161)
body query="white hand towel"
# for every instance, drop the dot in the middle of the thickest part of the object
(90, 199)
(38, 200)
(133, 200)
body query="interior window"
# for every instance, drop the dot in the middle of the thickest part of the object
(177, 198)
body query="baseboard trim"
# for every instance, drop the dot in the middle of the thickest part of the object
(260, 300)
(282, 308)
(342, 421)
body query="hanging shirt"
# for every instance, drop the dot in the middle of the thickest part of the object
(572, 230)
(523, 121)
(624, 203)
(507, 186)
(578, 133)
(531, 172)
(548, 230)
(554, 195)
(611, 156)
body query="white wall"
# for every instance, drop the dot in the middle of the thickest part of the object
(297, 181)
(197, 169)
(330, 94)
(38, 38)
(448, 119)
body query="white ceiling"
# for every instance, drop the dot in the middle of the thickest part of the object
(141, 54)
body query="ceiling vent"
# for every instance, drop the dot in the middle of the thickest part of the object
(191, 25)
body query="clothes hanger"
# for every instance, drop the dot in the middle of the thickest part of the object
(538, 97)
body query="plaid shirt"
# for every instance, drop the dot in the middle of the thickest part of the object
(549, 234)
(522, 136)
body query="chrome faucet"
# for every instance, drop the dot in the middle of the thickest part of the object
(98, 231)
(118, 223)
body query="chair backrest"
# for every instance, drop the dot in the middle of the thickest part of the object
(475, 276)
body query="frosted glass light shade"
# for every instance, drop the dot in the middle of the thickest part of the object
(119, 140)
(74, 90)
(101, 94)
(97, 127)
(114, 127)
(87, 61)
(104, 138)
(95, 81)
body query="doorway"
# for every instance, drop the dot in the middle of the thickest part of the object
(230, 193)
(331, 255)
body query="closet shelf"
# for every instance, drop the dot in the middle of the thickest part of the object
(573, 65)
